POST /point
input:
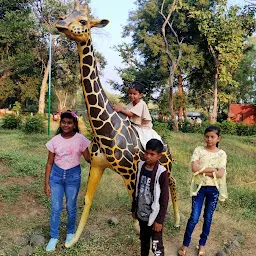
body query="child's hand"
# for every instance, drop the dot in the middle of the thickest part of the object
(157, 227)
(196, 166)
(47, 190)
(117, 108)
(197, 162)
(134, 215)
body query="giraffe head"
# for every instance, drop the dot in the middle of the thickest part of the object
(77, 25)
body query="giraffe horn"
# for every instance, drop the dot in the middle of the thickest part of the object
(85, 9)
(77, 5)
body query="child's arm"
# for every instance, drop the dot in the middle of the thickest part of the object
(126, 112)
(48, 169)
(218, 171)
(134, 204)
(207, 171)
(86, 156)
(163, 201)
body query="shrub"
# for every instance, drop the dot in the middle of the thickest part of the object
(245, 130)
(228, 127)
(11, 121)
(186, 126)
(34, 124)
(16, 108)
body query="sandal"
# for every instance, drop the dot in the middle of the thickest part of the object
(201, 252)
(182, 252)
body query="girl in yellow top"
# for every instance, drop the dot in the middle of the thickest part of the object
(208, 184)
(138, 113)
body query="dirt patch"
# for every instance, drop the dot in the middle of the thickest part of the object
(21, 181)
(3, 168)
(25, 207)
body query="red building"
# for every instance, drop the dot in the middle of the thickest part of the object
(242, 113)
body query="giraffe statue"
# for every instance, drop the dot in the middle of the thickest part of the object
(116, 143)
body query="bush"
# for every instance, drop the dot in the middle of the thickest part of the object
(11, 121)
(228, 127)
(186, 127)
(245, 130)
(34, 124)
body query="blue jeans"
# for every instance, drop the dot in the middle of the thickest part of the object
(211, 195)
(64, 182)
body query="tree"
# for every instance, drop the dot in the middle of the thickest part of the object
(65, 68)
(46, 13)
(224, 32)
(18, 36)
(173, 61)
(245, 75)
(165, 45)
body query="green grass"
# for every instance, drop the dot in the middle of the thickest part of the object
(23, 158)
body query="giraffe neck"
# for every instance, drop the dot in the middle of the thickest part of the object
(98, 106)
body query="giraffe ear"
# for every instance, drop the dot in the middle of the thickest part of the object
(99, 23)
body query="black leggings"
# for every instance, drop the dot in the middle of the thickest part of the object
(146, 233)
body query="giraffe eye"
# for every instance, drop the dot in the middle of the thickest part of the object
(83, 22)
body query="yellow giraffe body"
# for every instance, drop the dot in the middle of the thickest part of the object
(116, 142)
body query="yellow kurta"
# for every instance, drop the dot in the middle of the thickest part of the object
(209, 160)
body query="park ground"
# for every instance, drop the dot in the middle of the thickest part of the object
(24, 210)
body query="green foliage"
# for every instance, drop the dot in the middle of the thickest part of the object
(34, 124)
(243, 197)
(9, 194)
(16, 107)
(226, 127)
(89, 133)
(11, 121)
(245, 76)
(245, 130)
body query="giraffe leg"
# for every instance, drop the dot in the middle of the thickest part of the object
(97, 169)
(172, 187)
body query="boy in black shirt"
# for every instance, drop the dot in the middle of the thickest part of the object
(151, 197)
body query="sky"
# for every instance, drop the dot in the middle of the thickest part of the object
(104, 39)
(116, 11)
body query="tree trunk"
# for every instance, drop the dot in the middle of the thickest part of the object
(41, 104)
(215, 98)
(171, 108)
(2, 102)
(62, 98)
(185, 114)
(180, 94)
(213, 117)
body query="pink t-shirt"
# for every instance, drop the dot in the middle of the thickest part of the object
(67, 151)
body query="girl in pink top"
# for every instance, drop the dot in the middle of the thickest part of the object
(63, 174)
(138, 113)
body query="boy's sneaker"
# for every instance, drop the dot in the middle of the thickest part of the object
(51, 246)
(68, 238)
